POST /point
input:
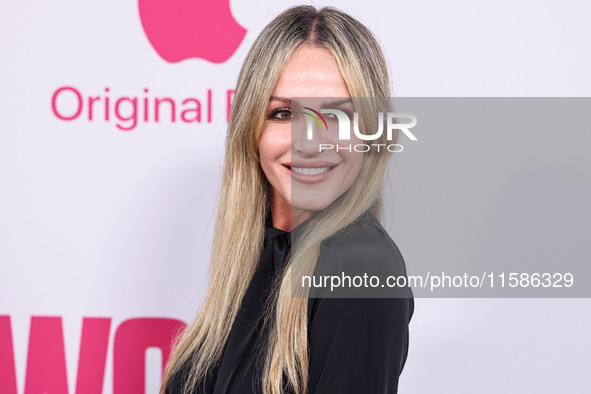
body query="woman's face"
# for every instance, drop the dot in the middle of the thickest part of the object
(303, 178)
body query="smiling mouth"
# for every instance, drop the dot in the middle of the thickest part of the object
(311, 171)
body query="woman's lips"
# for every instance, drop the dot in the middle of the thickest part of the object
(310, 172)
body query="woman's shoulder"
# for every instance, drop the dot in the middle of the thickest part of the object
(351, 299)
(364, 244)
(361, 259)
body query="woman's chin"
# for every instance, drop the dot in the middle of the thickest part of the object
(308, 206)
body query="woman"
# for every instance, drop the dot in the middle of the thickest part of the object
(257, 331)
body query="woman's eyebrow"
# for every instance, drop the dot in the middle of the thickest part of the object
(344, 100)
(336, 103)
(282, 99)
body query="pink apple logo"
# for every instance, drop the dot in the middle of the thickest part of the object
(182, 29)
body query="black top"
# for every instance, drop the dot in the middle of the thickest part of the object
(356, 345)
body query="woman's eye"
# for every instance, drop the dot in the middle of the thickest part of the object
(333, 116)
(349, 113)
(281, 114)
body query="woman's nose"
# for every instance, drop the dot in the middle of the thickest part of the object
(306, 137)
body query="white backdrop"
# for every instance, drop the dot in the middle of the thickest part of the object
(113, 226)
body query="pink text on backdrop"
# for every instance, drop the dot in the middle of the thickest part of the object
(69, 103)
(46, 360)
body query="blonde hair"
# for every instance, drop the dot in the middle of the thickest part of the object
(240, 221)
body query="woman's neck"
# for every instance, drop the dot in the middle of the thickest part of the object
(285, 218)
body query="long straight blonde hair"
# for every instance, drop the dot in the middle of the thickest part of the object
(242, 206)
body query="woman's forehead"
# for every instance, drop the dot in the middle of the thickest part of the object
(311, 72)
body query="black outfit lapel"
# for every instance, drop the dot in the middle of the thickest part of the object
(243, 334)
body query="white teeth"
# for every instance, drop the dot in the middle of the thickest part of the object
(310, 171)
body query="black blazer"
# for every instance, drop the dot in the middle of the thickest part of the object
(356, 345)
